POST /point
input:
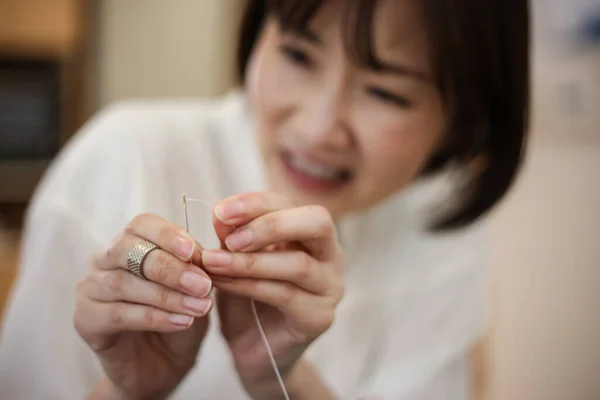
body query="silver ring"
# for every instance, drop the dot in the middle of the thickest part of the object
(136, 256)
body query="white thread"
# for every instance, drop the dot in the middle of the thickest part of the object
(199, 201)
(271, 356)
(252, 304)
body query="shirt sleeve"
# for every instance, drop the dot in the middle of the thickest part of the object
(424, 352)
(85, 199)
(42, 356)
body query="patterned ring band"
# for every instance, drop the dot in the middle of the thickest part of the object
(136, 256)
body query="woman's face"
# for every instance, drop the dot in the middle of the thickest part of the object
(335, 134)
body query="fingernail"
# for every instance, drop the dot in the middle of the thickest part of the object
(197, 305)
(239, 239)
(195, 284)
(181, 320)
(229, 210)
(216, 258)
(183, 247)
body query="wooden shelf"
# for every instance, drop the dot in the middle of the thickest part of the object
(9, 255)
(18, 179)
(55, 31)
(41, 28)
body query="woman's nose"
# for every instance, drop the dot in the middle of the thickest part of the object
(326, 122)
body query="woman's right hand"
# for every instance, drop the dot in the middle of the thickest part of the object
(146, 333)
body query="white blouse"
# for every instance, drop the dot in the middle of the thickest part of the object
(414, 302)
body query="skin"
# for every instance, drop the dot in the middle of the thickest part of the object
(280, 247)
(309, 99)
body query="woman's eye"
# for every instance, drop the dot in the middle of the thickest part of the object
(296, 55)
(388, 97)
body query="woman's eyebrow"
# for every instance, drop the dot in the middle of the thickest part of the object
(382, 67)
(309, 36)
(399, 69)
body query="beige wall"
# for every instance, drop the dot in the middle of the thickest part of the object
(545, 342)
(158, 48)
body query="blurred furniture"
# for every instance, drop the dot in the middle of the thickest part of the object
(44, 86)
(45, 68)
(8, 262)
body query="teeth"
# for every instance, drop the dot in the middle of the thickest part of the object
(316, 171)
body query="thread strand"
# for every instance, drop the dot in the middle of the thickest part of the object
(252, 304)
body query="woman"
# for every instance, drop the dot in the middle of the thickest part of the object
(377, 130)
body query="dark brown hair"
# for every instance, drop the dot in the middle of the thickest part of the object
(480, 52)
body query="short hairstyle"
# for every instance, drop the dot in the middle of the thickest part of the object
(480, 54)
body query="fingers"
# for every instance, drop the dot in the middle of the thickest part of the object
(169, 237)
(310, 225)
(93, 318)
(159, 266)
(110, 299)
(121, 286)
(312, 314)
(241, 209)
(296, 267)
(263, 219)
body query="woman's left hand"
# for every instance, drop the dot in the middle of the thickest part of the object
(289, 261)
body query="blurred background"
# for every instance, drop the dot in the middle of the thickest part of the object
(62, 60)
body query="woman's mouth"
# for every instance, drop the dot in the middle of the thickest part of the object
(312, 176)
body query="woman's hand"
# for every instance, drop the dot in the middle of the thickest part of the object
(146, 333)
(288, 260)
